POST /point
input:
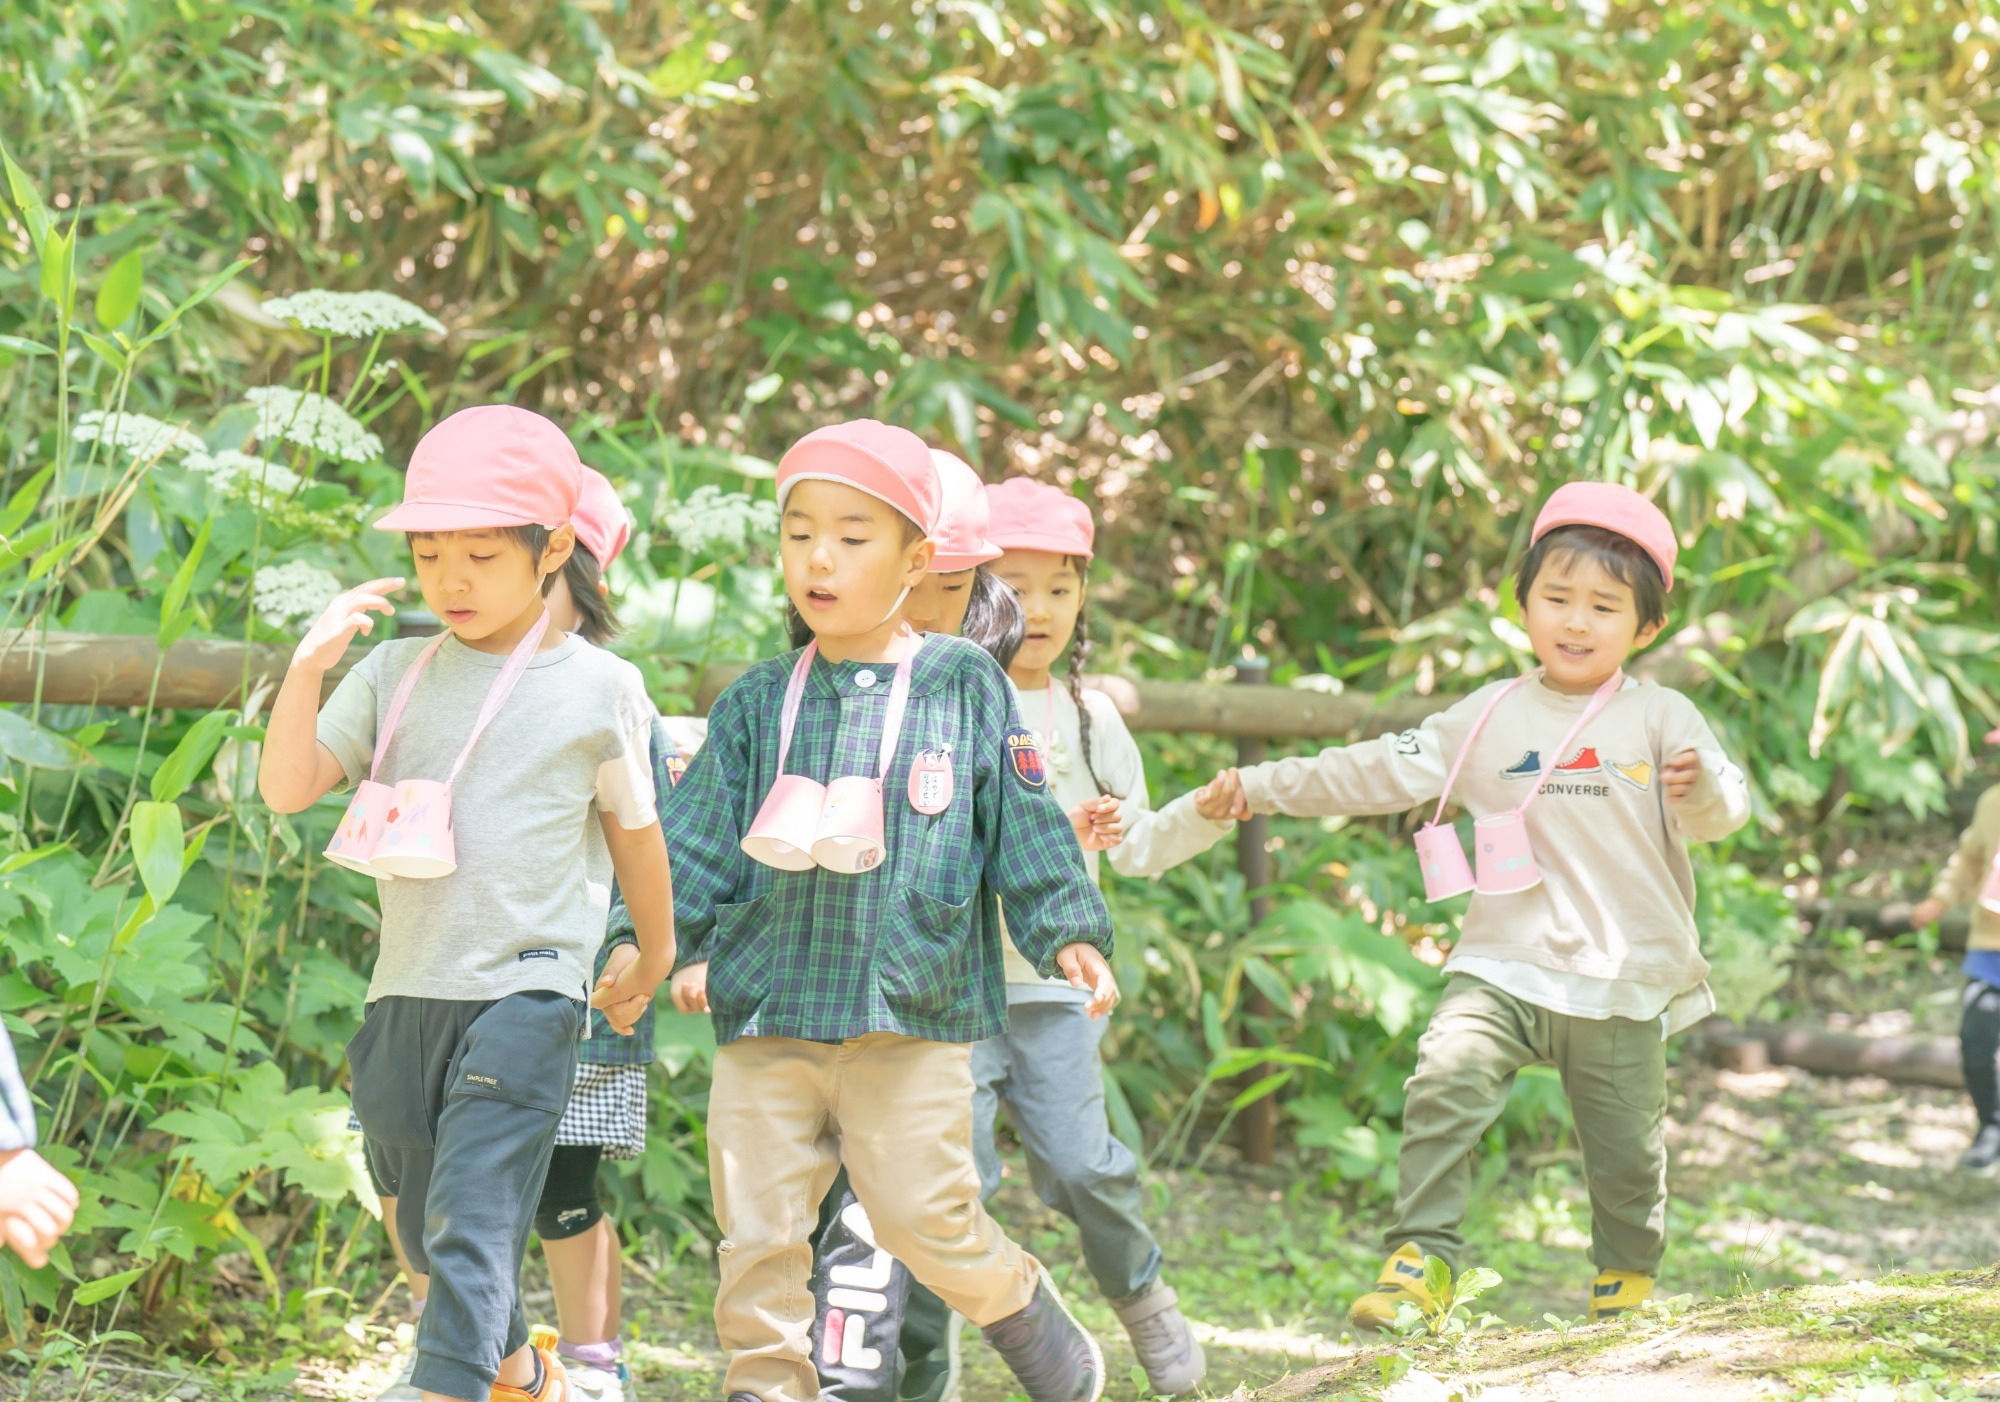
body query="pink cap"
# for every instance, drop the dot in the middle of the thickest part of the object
(1617, 509)
(602, 527)
(961, 531)
(495, 465)
(880, 459)
(1031, 515)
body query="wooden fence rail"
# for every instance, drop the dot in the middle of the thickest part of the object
(111, 669)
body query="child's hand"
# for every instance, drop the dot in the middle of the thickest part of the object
(1680, 774)
(626, 989)
(1099, 823)
(347, 615)
(1927, 912)
(690, 989)
(1085, 968)
(1221, 798)
(37, 1205)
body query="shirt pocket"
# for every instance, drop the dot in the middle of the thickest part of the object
(521, 1050)
(927, 953)
(743, 965)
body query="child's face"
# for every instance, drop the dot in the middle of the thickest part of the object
(846, 558)
(1051, 593)
(1582, 622)
(938, 605)
(482, 583)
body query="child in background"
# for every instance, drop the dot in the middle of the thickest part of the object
(1593, 967)
(464, 1061)
(845, 984)
(606, 1113)
(37, 1203)
(1044, 1066)
(1965, 878)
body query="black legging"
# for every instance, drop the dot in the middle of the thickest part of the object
(1979, 1048)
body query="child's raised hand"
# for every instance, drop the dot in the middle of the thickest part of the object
(624, 991)
(1099, 823)
(37, 1205)
(1680, 774)
(690, 989)
(1087, 969)
(1221, 798)
(333, 630)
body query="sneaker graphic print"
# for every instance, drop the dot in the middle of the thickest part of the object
(1529, 767)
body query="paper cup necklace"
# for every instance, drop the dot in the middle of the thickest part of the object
(839, 826)
(1506, 863)
(405, 829)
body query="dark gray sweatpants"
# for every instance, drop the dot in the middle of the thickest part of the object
(459, 1102)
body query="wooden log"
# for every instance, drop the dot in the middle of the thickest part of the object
(116, 669)
(113, 669)
(1924, 1061)
(1882, 919)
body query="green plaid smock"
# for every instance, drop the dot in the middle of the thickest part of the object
(913, 946)
(603, 1047)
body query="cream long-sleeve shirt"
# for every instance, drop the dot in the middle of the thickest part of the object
(1964, 876)
(1616, 901)
(1154, 839)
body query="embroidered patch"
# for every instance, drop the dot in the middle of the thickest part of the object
(525, 955)
(479, 1080)
(676, 766)
(1026, 758)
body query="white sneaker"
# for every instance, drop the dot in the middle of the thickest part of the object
(593, 1384)
(400, 1390)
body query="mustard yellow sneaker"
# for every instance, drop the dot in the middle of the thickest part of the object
(1401, 1281)
(1614, 1292)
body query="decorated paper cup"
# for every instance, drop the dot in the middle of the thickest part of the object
(417, 842)
(1506, 864)
(1442, 856)
(783, 833)
(849, 838)
(354, 841)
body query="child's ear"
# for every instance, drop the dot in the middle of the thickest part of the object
(562, 544)
(919, 562)
(1646, 635)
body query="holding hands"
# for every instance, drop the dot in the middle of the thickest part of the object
(626, 989)
(1221, 799)
(1099, 823)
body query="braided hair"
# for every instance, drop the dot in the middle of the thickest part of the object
(1079, 653)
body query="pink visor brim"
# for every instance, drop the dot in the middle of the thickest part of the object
(449, 516)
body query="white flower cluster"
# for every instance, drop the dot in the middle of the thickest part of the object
(243, 474)
(143, 437)
(353, 313)
(294, 589)
(712, 521)
(311, 421)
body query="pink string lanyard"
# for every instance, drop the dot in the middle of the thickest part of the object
(1598, 701)
(496, 695)
(892, 719)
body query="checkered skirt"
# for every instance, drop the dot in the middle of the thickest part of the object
(607, 1107)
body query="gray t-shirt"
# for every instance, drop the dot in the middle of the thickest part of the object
(526, 908)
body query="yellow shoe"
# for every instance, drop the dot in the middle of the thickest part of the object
(1401, 1281)
(1614, 1292)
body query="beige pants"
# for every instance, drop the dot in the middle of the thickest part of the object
(783, 1116)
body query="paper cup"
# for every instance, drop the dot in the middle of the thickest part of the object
(782, 835)
(849, 836)
(1442, 856)
(354, 841)
(1506, 863)
(418, 843)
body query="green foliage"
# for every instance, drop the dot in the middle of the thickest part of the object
(1314, 303)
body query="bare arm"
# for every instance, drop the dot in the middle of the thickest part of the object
(646, 885)
(295, 768)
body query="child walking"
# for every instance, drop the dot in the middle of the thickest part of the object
(1044, 1066)
(839, 841)
(1973, 874)
(518, 783)
(1592, 966)
(606, 1114)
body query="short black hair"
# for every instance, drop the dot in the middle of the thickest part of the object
(1619, 556)
(596, 618)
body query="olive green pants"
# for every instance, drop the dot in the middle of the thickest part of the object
(1614, 1071)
